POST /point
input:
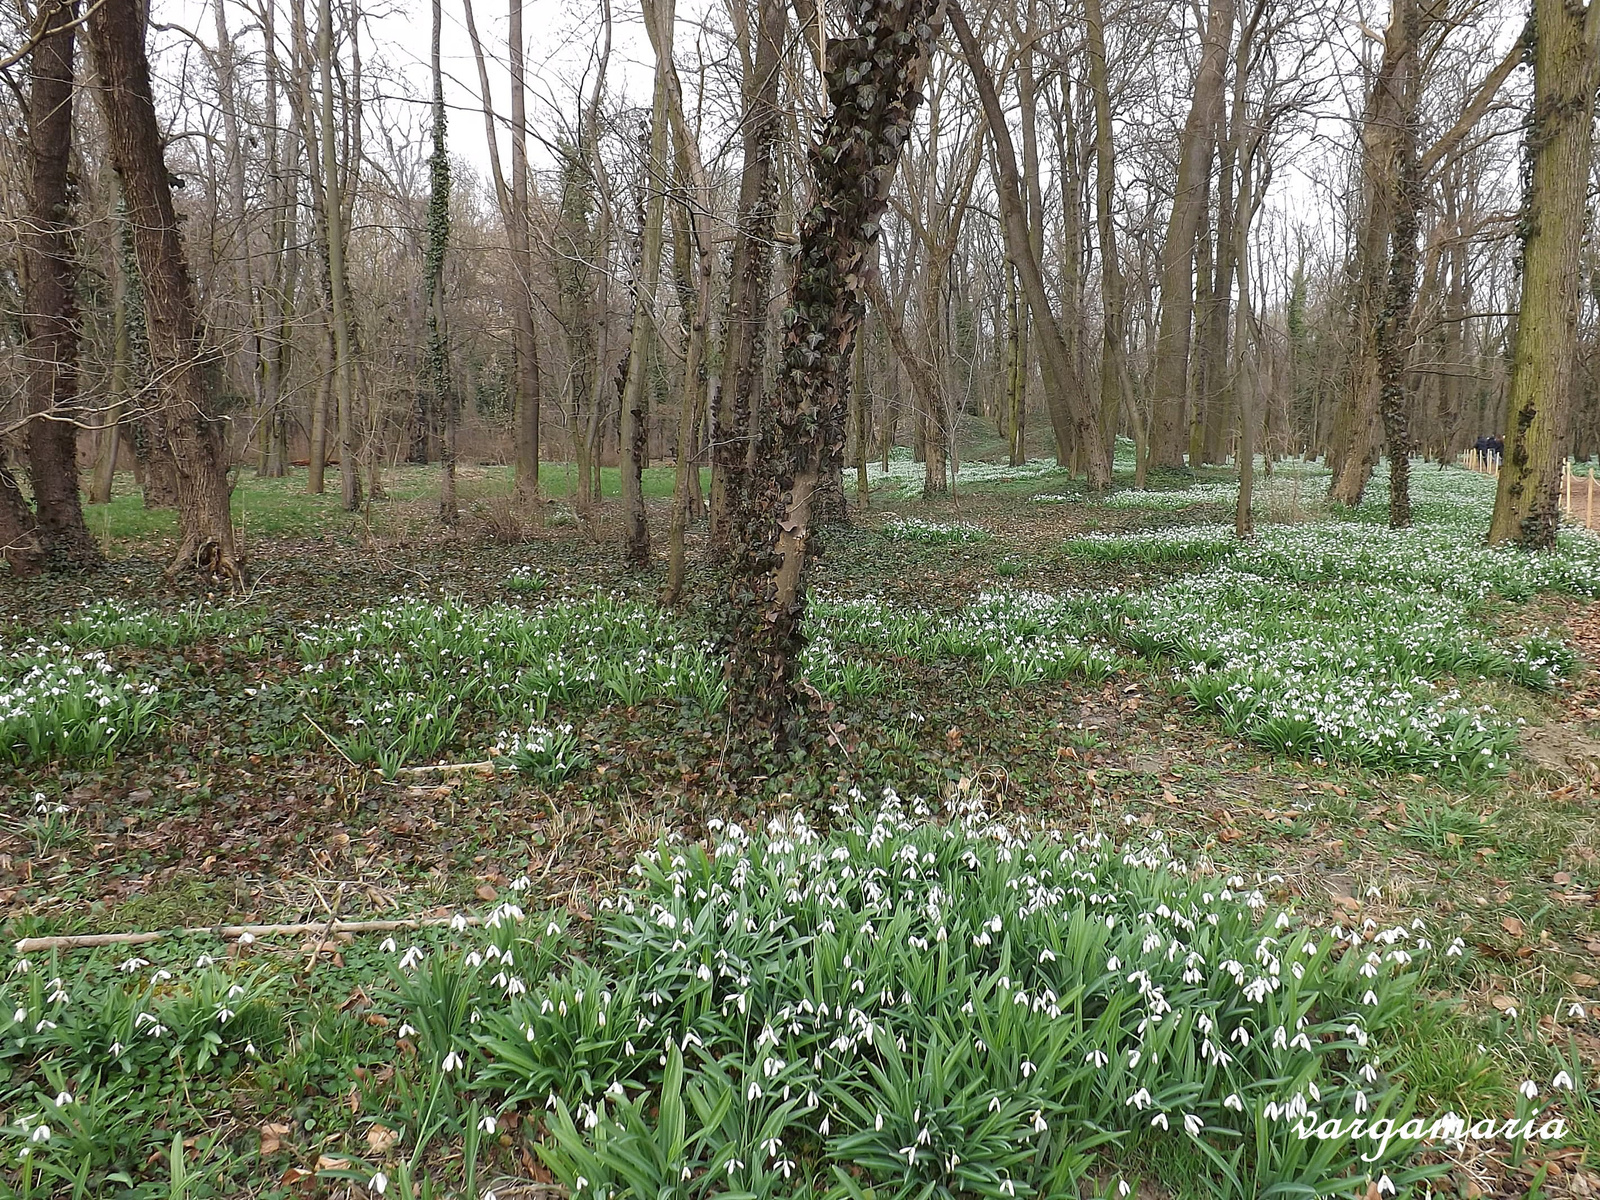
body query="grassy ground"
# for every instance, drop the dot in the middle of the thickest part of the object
(258, 798)
(272, 508)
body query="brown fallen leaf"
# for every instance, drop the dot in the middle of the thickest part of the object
(1580, 979)
(326, 1162)
(486, 893)
(272, 1138)
(294, 1175)
(1505, 1004)
(1513, 926)
(380, 1140)
(1562, 878)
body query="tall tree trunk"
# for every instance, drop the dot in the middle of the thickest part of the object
(333, 193)
(874, 87)
(1115, 392)
(633, 436)
(1070, 411)
(1394, 325)
(443, 392)
(749, 276)
(1168, 424)
(691, 171)
(529, 396)
(1566, 65)
(52, 303)
(183, 421)
(1356, 443)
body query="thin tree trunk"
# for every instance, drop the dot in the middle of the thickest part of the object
(444, 393)
(1068, 405)
(529, 395)
(1168, 424)
(333, 221)
(632, 436)
(1114, 390)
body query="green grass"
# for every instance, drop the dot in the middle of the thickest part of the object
(282, 508)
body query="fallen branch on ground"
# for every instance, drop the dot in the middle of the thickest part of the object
(82, 941)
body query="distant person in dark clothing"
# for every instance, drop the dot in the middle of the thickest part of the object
(1497, 448)
(1482, 445)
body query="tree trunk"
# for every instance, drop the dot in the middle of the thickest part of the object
(183, 421)
(1394, 325)
(1168, 424)
(443, 392)
(332, 191)
(1566, 63)
(697, 211)
(1115, 392)
(52, 303)
(1069, 408)
(633, 435)
(1356, 425)
(874, 87)
(749, 278)
(529, 395)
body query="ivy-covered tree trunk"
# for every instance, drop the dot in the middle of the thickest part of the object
(749, 275)
(1394, 323)
(52, 304)
(184, 421)
(874, 83)
(438, 354)
(1566, 67)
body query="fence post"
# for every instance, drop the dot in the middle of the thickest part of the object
(1588, 519)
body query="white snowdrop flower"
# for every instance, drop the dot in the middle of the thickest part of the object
(1007, 1188)
(247, 938)
(1369, 1072)
(204, 961)
(388, 947)
(1123, 1187)
(1370, 998)
(1385, 1185)
(1576, 1010)
(1234, 1102)
(1529, 1088)
(458, 922)
(1159, 1120)
(65, 1098)
(405, 1030)
(41, 1133)
(1140, 1099)
(379, 1183)
(487, 1124)
(130, 965)
(1028, 1069)
(579, 1184)
(1193, 1125)
(451, 1061)
(1360, 1102)
(410, 958)
(1562, 1081)
(1039, 1123)
(878, 1123)
(20, 1016)
(224, 1015)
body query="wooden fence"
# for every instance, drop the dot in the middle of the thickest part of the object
(1580, 488)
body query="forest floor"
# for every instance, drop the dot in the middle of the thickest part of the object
(268, 779)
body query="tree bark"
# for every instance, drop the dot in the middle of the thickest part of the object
(1168, 424)
(443, 391)
(874, 87)
(51, 302)
(634, 447)
(184, 421)
(1069, 408)
(1566, 66)
(749, 278)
